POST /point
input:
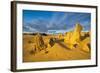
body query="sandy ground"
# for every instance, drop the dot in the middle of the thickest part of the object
(59, 51)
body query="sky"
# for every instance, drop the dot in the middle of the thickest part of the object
(43, 21)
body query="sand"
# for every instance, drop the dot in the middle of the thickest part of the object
(59, 51)
(74, 45)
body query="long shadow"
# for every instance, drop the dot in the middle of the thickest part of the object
(61, 44)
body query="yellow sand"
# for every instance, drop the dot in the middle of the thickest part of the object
(70, 46)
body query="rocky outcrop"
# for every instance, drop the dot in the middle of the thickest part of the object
(73, 39)
(39, 43)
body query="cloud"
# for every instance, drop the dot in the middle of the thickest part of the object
(52, 20)
(29, 29)
(58, 21)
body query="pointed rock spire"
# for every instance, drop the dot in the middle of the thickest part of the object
(76, 34)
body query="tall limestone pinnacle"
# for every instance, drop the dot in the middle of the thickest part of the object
(74, 38)
(39, 42)
(76, 34)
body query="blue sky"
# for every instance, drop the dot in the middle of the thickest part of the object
(42, 21)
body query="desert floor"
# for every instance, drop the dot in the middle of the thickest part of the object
(59, 51)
